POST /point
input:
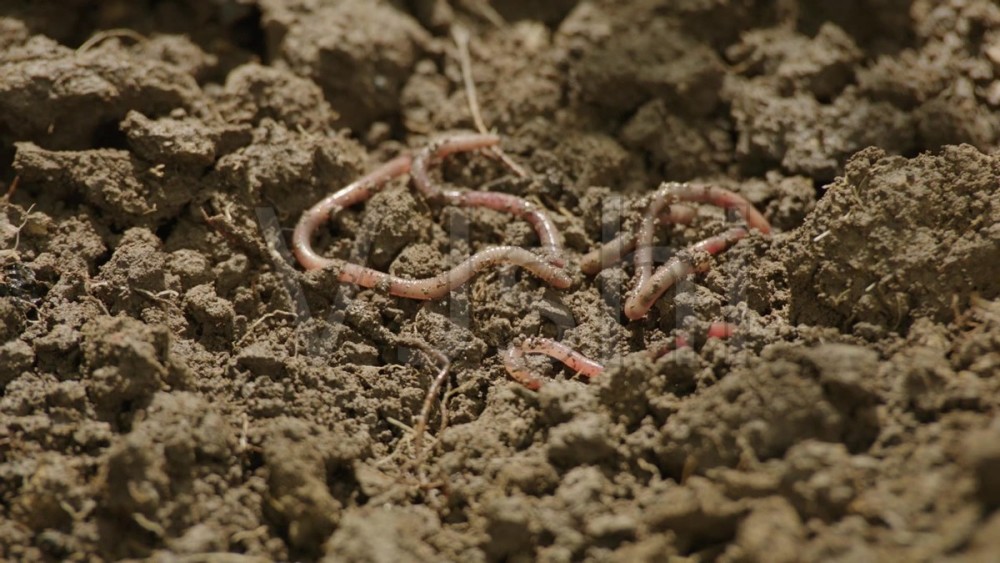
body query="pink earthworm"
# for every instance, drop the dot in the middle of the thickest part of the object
(352, 194)
(721, 330)
(441, 148)
(649, 286)
(691, 260)
(513, 357)
(548, 269)
(613, 251)
(547, 232)
(443, 284)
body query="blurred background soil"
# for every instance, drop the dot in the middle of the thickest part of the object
(173, 387)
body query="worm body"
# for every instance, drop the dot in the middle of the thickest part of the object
(513, 357)
(649, 287)
(694, 259)
(440, 149)
(665, 207)
(548, 267)
(612, 252)
(352, 194)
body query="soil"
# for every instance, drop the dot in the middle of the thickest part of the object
(174, 387)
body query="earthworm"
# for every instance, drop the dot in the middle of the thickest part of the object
(721, 330)
(613, 251)
(442, 284)
(352, 194)
(649, 286)
(440, 149)
(691, 260)
(548, 234)
(513, 357)
(548, 269)
(669, 193)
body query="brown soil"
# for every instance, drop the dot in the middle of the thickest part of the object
(172, 387)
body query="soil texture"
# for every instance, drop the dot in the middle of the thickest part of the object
(174, 387)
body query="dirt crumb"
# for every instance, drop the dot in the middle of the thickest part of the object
(904, 206)
(63, 99)
(362, 536)
(299, 496)
(127, 363)
(360, 70)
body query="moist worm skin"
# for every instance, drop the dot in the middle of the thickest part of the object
(649, 285)
(440, 149)
(352, 194)
(674, 213)
(513, 356)
(549, 268)
(513, 360)
(548, 234)
(643, 296)
(446, 282)
(612, 252)
(672, 192)
(647, 288)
